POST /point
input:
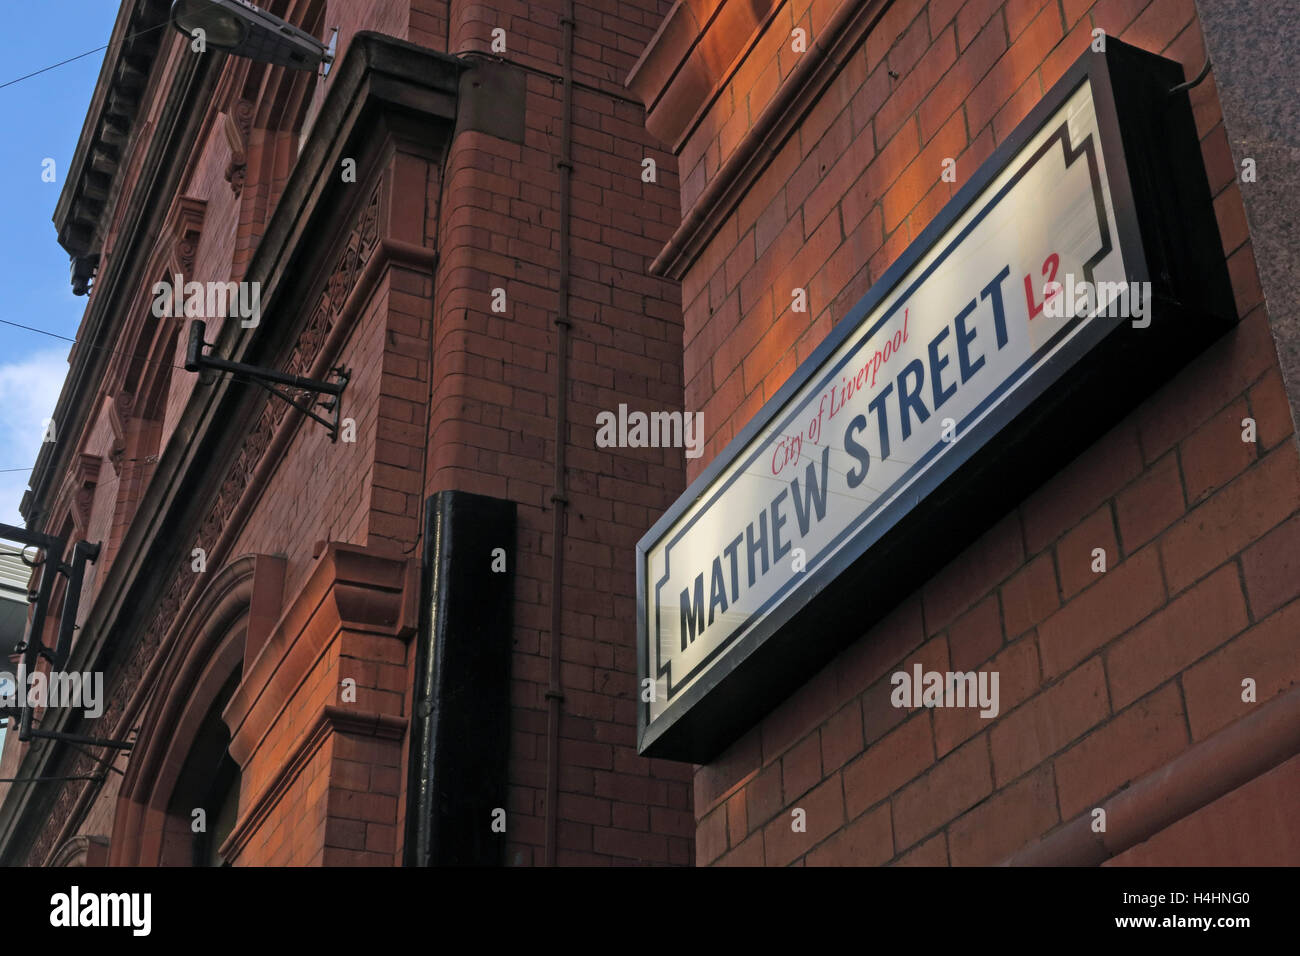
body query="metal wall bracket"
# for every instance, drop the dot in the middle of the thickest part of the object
(268, 378)
(32, 647)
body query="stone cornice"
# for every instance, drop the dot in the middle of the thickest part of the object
(137, 37)
(352, 589)
(690, 59)
(118, 283)
(797, 94)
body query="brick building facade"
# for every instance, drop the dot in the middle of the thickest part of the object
(282, 686)
(379, 207)
(1121, 690)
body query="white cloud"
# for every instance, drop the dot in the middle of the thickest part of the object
(29, 390)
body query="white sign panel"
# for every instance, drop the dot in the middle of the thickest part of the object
(993, 300)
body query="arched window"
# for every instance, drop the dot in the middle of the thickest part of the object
(181, 763)
(206, 795)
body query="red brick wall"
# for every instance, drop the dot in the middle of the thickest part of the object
(493, 413)
(1103, 677)
(323, 776)
(315, 796)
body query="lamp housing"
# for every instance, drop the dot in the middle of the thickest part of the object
(245, 30)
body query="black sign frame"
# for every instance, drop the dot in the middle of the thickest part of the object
(1168, 236)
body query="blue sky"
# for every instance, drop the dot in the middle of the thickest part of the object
(42, 118)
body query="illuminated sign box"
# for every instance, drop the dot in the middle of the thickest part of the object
(1075, 271)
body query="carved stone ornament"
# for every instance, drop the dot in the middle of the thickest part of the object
(237, 125)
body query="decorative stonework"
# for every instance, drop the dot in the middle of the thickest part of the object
(360, 246)
(85, 477)
(119, 413)
(183, 231)
(356, 254)
(137, 385)
(186, 247)
(238, 125)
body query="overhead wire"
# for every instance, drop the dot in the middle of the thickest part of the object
(79, 56)
(29, 328)
(97, 348)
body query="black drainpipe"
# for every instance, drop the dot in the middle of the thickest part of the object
(554, 691)
(461, 722)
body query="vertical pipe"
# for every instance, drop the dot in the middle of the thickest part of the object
(554, 692)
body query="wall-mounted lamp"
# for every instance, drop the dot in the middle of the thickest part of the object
(242, 29)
